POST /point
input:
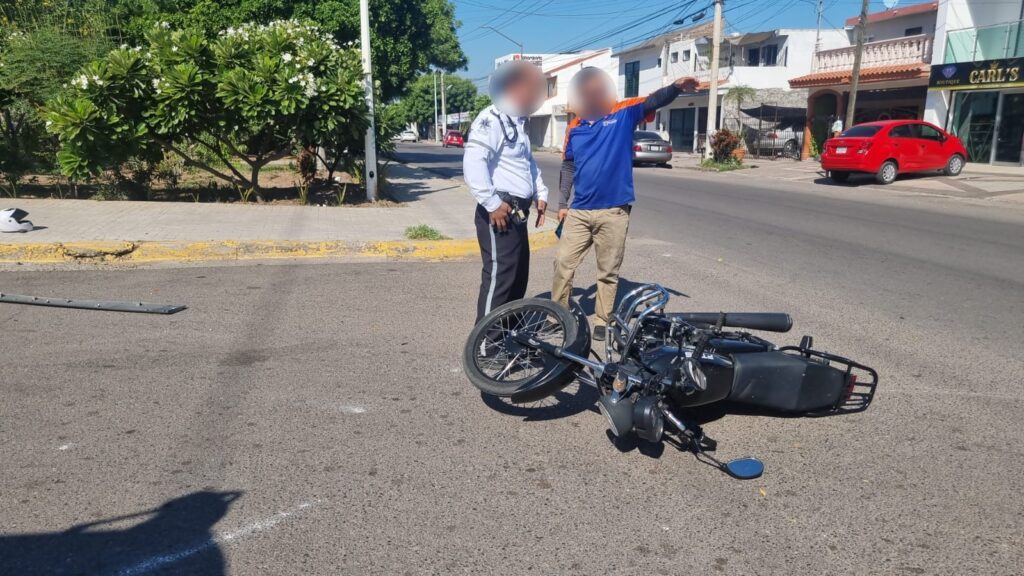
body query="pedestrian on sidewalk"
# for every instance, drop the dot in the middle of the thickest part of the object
(598, 164)
(837, 126)
(500, 171)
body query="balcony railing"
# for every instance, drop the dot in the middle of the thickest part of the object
(985, 43)
(906, 50)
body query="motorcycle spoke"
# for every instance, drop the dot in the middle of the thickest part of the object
(500, 363)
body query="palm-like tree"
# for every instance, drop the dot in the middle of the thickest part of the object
(740, 94)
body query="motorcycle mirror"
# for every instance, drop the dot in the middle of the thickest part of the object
(744, 468)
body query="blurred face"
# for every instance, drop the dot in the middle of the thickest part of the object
(592, 94)
(521, 89)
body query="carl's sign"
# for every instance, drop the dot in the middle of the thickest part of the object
(1004, 73)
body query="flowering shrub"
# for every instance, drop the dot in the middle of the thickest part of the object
(723, 143)
(249, 96)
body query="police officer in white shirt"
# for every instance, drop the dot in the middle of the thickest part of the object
(499, 168)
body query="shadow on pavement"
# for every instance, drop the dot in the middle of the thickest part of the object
(860, 179)
(176, 538)
(576, 398)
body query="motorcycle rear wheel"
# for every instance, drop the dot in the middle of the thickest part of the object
(498, 365)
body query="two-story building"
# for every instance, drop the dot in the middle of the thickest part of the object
(976, 87)
(893, 81)
(763, 61)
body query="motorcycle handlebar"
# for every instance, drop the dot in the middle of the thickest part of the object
(767, 321)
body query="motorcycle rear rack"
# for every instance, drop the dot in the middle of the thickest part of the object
(863, 381)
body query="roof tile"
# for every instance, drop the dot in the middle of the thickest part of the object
(877, 74)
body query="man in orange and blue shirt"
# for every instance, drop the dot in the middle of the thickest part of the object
(597, 175)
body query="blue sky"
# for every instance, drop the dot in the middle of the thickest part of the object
(557, 25)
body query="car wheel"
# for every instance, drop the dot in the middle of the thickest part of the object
(954, 166)
(791, 149)
(837, 176)
(887, 172)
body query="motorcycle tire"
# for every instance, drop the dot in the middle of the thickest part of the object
(484, 352)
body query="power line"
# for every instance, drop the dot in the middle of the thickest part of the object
(632, 24)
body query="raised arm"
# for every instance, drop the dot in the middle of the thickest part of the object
(664, 96)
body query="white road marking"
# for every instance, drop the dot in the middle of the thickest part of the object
(163, 560)
(64, 446)
(353, 409)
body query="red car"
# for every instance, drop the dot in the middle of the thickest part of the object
(453, 138)
(887, 148)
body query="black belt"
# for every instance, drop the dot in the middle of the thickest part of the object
(515, 201)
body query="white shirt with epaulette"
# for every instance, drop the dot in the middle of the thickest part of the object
(498, 157)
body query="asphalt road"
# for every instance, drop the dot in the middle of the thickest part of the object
(313, 418)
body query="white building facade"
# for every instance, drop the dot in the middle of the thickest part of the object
(976, 84)
(893, 81)
(763, 61)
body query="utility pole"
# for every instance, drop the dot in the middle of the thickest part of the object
(371, 137)
(444, 108)
(437, 129)
(862, 24)
(817, 35)
(716, 40)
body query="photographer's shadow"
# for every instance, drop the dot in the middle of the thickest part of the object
(175, 538)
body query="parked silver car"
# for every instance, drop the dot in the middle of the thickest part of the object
(408, 136)
(650, 148)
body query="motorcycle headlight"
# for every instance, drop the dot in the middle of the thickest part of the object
(648, 421)
(618, 412)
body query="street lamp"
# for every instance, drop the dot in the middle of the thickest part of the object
(503, 35)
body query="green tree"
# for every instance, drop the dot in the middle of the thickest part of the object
(739, 95)
(39, 51)
(227, 105)
(408, 36)
(418, 103)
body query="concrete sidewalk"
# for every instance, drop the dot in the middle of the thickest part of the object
(981, 181)
(89, 230)
(976, 181)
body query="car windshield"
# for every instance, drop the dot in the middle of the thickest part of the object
(455, 133)
(862, 131)
(644, 135)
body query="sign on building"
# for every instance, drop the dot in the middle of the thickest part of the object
(983, 74)
(459, 118)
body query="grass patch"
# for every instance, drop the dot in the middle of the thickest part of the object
(424, 232)
(723, 166)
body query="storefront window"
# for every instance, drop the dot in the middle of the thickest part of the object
(974, 122)
(1010, 138)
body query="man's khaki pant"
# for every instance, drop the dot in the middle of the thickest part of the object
(606, 231)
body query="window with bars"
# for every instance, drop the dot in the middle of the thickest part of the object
(632, 86)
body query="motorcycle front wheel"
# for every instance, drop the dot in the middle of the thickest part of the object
(497, 364)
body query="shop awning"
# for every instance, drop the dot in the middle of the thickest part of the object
(751, 38)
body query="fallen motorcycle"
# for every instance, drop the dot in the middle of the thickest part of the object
(661, 367)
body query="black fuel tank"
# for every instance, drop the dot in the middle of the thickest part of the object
(717, 369)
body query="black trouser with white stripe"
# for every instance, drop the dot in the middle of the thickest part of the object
(506, 261)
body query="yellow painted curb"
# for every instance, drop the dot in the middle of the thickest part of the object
(224, 250)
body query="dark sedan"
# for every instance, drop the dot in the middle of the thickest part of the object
(650, 148)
